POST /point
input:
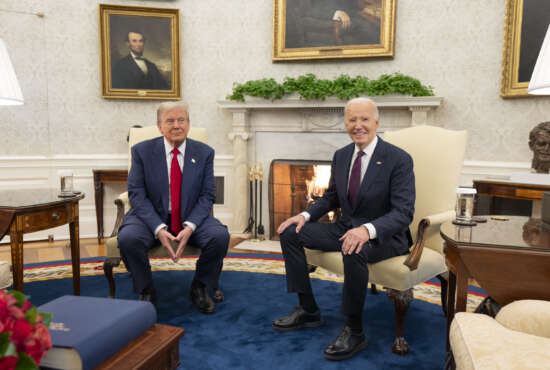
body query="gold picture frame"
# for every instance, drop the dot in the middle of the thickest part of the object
(522, 44)
(307, 31)
(140, 52)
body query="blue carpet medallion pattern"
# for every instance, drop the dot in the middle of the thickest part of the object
(239, 334)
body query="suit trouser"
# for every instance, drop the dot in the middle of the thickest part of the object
(325, 237)
(135, 240)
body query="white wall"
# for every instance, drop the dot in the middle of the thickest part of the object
(454, 46)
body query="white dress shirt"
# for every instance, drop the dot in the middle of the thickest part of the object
(181, 156)
(140, 63)
(365, 159)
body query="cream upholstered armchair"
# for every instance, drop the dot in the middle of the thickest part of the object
(112, 259)
(438, 155)
(517, 338)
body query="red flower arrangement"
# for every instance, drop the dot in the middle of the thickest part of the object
(24, 335)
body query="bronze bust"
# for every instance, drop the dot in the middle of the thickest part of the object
(539, 142)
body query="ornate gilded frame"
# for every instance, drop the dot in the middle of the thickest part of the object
(385, 14)
(146, 18)
(511, 86)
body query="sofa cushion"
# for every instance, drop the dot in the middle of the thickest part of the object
(527, 316)
(480, 342)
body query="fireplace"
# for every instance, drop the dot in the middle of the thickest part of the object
(293, 184)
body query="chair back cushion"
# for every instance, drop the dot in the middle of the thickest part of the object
(139, 134)
(438, 155)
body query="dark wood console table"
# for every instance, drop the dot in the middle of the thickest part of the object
(101, 177)
(29, 210)
(509, 260)
(513, 190)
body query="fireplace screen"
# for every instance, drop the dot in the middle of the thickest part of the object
(293, 184)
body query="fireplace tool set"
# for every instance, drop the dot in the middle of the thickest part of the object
(255, 226)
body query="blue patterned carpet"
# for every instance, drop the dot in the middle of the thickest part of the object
(239, 334)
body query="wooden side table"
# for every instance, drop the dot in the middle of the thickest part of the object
(509, 260)
(101, 177)
(157, 348)
(29, 210)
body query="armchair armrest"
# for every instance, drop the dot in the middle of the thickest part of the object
(416, 252)
(122, 203)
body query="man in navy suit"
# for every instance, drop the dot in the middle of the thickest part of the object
(134, 71)
(163, 170)
(373, 183)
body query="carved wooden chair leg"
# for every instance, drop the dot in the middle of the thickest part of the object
(373, 289)
(443, 278)
(108, 265)
(401, 300)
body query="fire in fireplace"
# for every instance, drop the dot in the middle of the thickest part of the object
(292, 185)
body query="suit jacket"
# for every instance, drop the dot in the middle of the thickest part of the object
(386, 195)
(148, 185)
(127, 75)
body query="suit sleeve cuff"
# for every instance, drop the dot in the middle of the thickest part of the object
(191, 225)
(306, 215)
(161, 226)
(372, 230)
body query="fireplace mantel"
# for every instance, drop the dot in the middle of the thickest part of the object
(383, 102)
(294, 115)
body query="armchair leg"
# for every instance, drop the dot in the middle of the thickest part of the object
(108, 265)
(401, 300)
(443, 279)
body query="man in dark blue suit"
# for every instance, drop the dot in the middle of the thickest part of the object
(373, 183)
(164, 170)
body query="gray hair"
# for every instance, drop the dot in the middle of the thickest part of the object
(363, 100)
(169, 105)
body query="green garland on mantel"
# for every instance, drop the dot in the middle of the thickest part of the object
(344, 87)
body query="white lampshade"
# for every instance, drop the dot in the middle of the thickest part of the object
(540, 79)
(10, 92)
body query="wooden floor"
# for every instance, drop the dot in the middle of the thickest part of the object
(44, 251)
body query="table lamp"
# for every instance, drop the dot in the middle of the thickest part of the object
(10, 92)
(540, 79)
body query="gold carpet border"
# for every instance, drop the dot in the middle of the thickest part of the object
(425, 292)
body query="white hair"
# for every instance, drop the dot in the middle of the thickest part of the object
(169, 105)
(363, 100)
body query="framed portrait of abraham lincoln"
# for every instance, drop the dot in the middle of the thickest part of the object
(140, 52)
(333, 29)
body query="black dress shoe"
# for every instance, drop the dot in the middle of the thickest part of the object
(200, 298)
(149, 295)
(218, 296)
(346, 345)
(298, 319)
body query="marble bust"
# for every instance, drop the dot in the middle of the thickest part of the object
(539, 143)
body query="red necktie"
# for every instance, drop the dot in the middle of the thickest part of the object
(175, 193)
(355, 179)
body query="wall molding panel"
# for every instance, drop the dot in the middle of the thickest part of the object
(27, 172)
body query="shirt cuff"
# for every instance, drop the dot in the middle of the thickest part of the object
(372, 230)
(191, 225)
(306, 215)
(161, 226)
